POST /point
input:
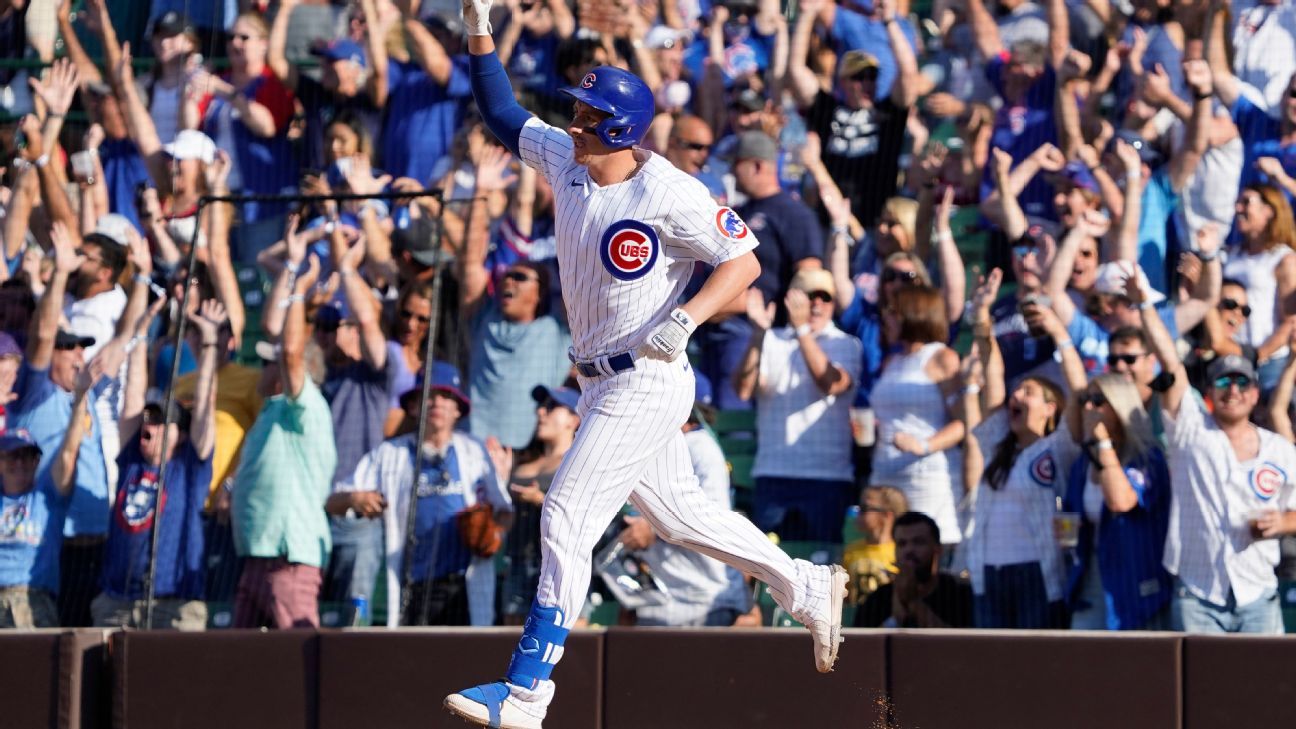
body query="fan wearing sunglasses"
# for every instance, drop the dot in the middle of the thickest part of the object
(1222, 464)
(1223, 332)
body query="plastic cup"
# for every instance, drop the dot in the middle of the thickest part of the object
(1066, 528)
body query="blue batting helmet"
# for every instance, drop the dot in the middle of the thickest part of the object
(623, 95)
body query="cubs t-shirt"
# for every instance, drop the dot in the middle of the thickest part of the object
(31, 534)
(439, 494)
(135, 514)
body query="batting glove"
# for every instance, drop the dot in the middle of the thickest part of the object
(670, 338)
(476, 16)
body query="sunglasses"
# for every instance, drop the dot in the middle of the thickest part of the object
(407, 314)
(892, 275)
(245, 37)
(693, 146)
(519, 276)
(97, 261)
(1096, 399)
(868, 74)
(1128, 359)
(821, 296)
(1223, 382)
(1232, 304)
(333, 326)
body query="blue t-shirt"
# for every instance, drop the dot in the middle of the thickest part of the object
(440, 493)
(788, 232)
(45, 409)
(124, 170)
(1261, 137)
(1159, 203)
(863, 319)
(852, 31)
(422, 117)
(180, 569)
(534, 63)
(30, 536)
(508, 359)
(1091, 340)
(1020, 129)
(744, 53)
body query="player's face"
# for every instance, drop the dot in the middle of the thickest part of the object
(519, 294)
(585, 143)
(1233, 402)
(18, 469)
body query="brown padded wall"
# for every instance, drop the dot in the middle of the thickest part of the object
(222, 679)
(997, 680)
(1239, 681)
(29, 675)
(731, 679)
(377, 678)
(84, 681)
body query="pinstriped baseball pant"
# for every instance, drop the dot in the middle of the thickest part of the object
(630, 446)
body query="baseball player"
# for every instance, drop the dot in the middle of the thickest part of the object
(630, 227)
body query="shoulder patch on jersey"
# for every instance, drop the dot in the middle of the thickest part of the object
(629, 249)
(1266, 479)
(1043, 469)
(730, 225)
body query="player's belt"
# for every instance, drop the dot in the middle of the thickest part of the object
(605, 366)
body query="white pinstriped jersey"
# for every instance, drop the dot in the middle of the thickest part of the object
(626, 251)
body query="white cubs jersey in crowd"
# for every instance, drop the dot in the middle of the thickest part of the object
(626, 251)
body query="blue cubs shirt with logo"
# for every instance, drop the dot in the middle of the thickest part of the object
(135, 515)
(439, 494)
(45, 409)
(31, 534)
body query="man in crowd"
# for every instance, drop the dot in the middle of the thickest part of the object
(871, 558)
(920, 595)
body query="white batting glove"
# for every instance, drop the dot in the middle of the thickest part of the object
(669, 340)
(476, 17)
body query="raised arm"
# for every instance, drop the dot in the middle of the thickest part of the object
(746, 377)
(40, 339)
(1075, 67)
(1184, 163)
(63, 466)
(99, 19)
(207, 320)
(220, 265)
(993, 390)
(905, 90)
(1163, 346)
(1280, 400)
(278, 42)
(376, 48)
(953, 273)
(800, 79)
(1125, 241)
(1205, 295)
(430, 54)
(491, 88)
(293, 350)
(984, 30)
(1226, 85)
(1059, 36)
(72, 45)
(828, 376)
(135, 389)
(373, 345)
(139, 122)
(1059, 270)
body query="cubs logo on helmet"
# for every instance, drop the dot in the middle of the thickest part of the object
(1266, 480)
(730, 225)
(629, 249)
(588, 81)
(1043, 469)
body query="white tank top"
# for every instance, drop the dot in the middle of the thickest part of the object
(906, 400)
(1255, 271)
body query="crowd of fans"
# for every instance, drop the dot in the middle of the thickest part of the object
(1019, 353)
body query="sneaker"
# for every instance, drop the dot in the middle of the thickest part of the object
(826, 630)
(491, 705)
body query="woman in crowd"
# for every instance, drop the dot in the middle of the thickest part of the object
(918, 431)
(1015, 458)
(406, 347)
(533, 470)
(1262, 262)
(1121, 489)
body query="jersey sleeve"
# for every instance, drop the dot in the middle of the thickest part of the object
(546, 148)
(706, 231)
(1183, 429)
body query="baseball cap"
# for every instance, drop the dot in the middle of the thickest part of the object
(1233, 364)
(342, 49)
(1147, 153)
(565, 396)
(171, 23)
(661, 36)
(755, 145)
(1112, 276)
(9, 346)
(16, 439)
(421, 239)
(856, 61)
(814, 279)
(113, 226)
(336, 311)
(191, 144)
(67, 340)
(1075, 174)
(179, 414)
(445, 379)
(267, 351)
(749, 100)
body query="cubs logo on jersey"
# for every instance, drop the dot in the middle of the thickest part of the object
(1266, 479)
(629, 249)
(136, 504)
(730, 225)
(1043, 469)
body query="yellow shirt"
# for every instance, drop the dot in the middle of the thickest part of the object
(237, 406)
(870, 567)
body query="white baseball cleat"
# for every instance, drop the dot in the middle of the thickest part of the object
(490, 706)
(826, 631)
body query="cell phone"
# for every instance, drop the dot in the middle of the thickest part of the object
(1039, 300)
(82, 164)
